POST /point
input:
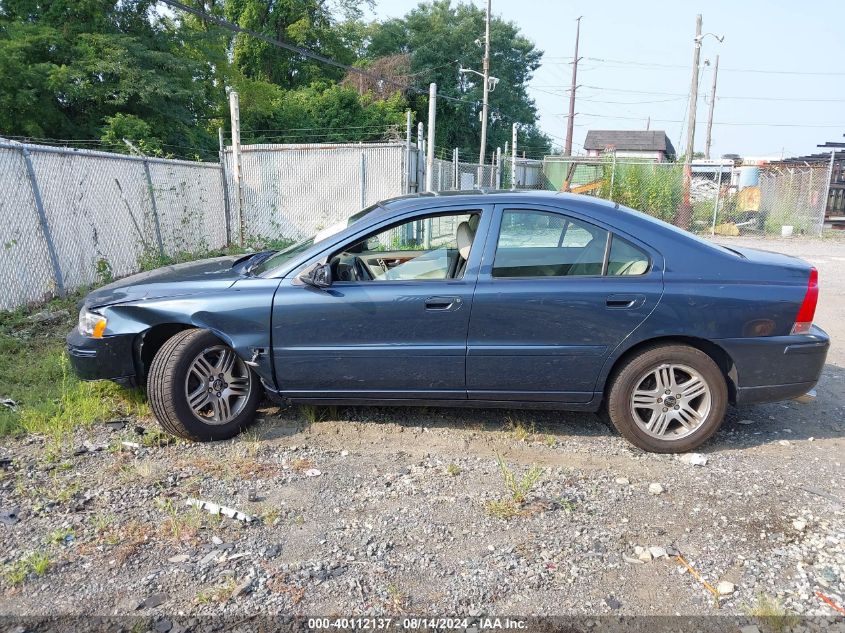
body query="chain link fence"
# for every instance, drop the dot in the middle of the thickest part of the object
(452, 175)
(292, 191)
(76, 217)
(724, 199)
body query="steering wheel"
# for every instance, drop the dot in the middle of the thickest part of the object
(362, 272)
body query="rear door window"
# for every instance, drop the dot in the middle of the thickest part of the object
(543, 244)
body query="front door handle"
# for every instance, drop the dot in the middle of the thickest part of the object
(624, 302)
(442, 304)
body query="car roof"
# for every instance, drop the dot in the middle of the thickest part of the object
(596, 207)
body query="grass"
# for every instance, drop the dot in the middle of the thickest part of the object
(520, 430)
(270, 514)
(37, 563)
(397, 600)
(313, 414)
(282, 584)
(453, 469)
(60, 536)
(518, 488)
(301, 464)
(36, 374)
(180, 525)
(126, 538)
(771, 614)
(220, 593)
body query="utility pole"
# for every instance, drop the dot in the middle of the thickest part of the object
(684, 216)
(235, 113)
(570, 124)
(485, 103)
(712, 105)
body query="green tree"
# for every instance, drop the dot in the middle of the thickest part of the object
(440, 38)
(68, 66)
(323, 113)
(310, 24)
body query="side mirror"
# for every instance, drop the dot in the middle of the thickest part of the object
(319, 276)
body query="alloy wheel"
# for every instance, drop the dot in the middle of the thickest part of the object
(671, 401)
(217, 385)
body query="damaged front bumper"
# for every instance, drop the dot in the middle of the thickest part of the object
(107, 358)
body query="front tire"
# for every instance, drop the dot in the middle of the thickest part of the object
(199, 389)
(668, 399)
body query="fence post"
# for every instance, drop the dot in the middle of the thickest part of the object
(42, 220)
(498, 168)
(826, 201)
(612, 175)
(420, 156)
(513, 157)
(154, 207)
(408, 152)
(235, 113)
(456, 170)
(429, 150)
(362, 174)
(716, 205)
(227, 211)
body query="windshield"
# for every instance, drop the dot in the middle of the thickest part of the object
(290, 252)
(282, 256)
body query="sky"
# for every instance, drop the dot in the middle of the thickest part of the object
(781, 81)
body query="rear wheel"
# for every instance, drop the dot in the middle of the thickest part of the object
(668, 399)
(200, 389)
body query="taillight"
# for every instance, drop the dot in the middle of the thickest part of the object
(804, 319)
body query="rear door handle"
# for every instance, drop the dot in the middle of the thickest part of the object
(624, 302)
(442, 304)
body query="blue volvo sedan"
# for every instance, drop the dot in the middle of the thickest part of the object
(503, 299)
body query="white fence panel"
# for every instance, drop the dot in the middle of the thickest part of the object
(190, 206)
(25, 272)
(291, 191)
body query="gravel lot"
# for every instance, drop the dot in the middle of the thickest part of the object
(385, 511)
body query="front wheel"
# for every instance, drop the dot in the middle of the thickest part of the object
(668, 399)
(200, 389)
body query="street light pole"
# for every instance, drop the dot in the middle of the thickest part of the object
(684, 215)
(485, 103)
(712, 105)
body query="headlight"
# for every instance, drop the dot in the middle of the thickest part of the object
(91, 324)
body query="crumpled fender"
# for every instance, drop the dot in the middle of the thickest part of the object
(240, 316)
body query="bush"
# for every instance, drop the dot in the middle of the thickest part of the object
(656, 189)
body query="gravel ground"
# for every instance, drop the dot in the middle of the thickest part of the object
(387, 511)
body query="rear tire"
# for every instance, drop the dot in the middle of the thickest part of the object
(668, 399)
(199, 389)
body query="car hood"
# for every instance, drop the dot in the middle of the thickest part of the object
(171, 281)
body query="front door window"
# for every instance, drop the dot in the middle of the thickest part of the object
(430, 248)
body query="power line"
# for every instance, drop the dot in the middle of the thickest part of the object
(764, 71)
(678, 94)
(734, 123)
(235, 28)
(671, 99)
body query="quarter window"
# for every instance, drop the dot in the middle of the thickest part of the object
(541, 244)
(625, 258)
